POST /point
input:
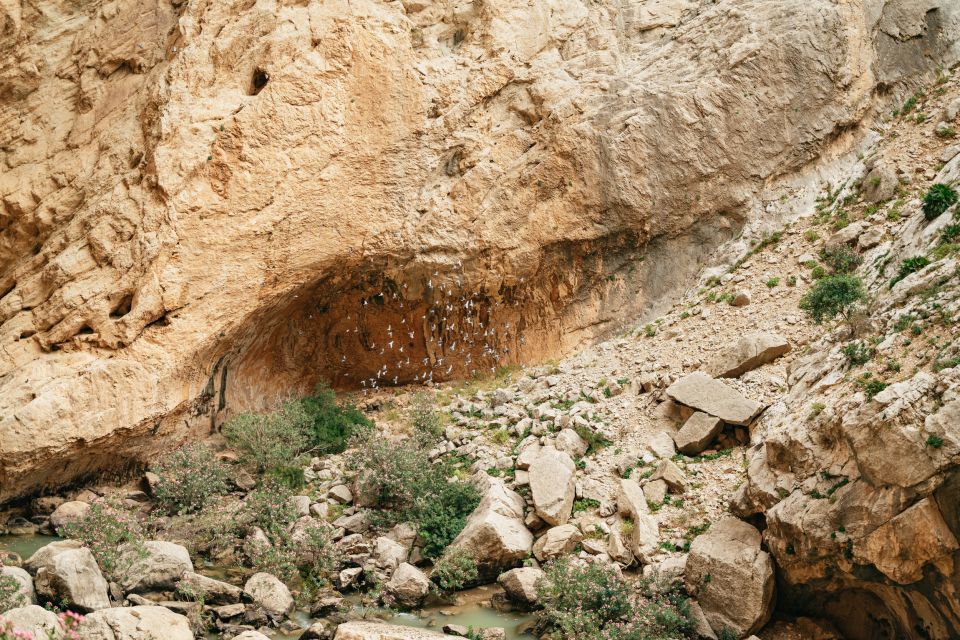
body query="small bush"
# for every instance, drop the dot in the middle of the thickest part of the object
(270, 440)
(950, 233)
(840, 258)
(818, 272)
(938, 199)
(426, 419)
(591, 601)
(271, 508)
(934, 441)
(792, 281)
(811, 235)
(871, 386)
(833, 296)
(330, 425)
(908, 266)
(857, 353)
(453, 571)
(773, 282)
(113, 534)
(815, 410)
(189, 477)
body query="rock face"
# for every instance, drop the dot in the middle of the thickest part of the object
(135, 623)
(701, 392)
(72, 575)
(172, 234)
(731, 577)
(748, 353)
(495, 534)
(553, 485)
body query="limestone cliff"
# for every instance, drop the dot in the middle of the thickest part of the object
(206, 206)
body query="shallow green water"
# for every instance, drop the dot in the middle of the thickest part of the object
(471, 615)
(25, 546)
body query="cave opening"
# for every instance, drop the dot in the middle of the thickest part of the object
(258, 81)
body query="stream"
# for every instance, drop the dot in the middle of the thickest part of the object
(468, 611)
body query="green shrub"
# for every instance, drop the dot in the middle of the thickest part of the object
(453, 571)
(818, 272)
(270, 507)
(426, 419)
(270, 440)
(331, 425)
(833, 296)
(189, 477)
(938, 199)
(400, 478)
(908, 266)
(857, 353)
(934, 441)
(840, 258)
(871, 386)
(773, 282)
(113, 534)
(950, 233)
(592, 601)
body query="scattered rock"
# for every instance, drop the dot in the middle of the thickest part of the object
(388, 553)
(270, 594)
(72, 576)
(741, 298)
(553, 485)
(655, 491)
(251, 635)
(703, 393)
(68, 513)
(214, 591)
(369, 630)
(670, 473)
(751, 351)
(521, 584)
(341, 493)
(556, 542)
(159, 569)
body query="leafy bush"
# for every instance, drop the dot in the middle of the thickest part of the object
(938, 199)
(271, 508)
(270, 440)
(592, 601)
(908, 266)
(857, 353)
(453, 571)
(427, 421)
(950, 233)
(189, 477)
(113, 534)
(840, 258)
(833, 296)
(331, 425)
(400, 478)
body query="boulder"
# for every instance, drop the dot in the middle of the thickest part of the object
(72, 575)
(341, 493)
(697, 433)
(880, 184)
(135, 623)
(749, 352)
(661, 445)
(214, 591)
(302, 505)
(670, 473)
(495, 534)
(35, 620)
(553, 485)
(644, 532)
(158, 569)
(68, 513)
(27, 595)
(703, 393)
(389, 553)
(570, 442)
(319, 630)
(251, 635)
(655, 491)
(741, 298)
(44, 554)
(521, 584)
(738, 595)
(618, 550)
(408, 586)
(557, 541)
(270, 594)
(370, 630)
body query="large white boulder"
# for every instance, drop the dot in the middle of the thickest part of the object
(72, 576)
(553, 485)
(135, 623)
(269, 593)
(156, 567)
(495, 534)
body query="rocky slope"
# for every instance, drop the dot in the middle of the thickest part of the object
(206, 206)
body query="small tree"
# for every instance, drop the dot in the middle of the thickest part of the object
(271, 440)
(189, 477)
(938, 199)
(833, 296)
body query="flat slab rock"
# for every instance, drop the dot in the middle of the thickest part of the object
(749, 352)
(366, 630)
(703, 393)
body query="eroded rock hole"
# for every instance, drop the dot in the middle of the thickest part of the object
(122, 308)
(258, 81)
(85, 330)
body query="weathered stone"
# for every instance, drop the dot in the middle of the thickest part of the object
(408, 586)
(214, 591)
(251, 635)
(570, 442)
(552, 485)
(368, 630)
(341, 493)
(270, 594)
(68, 513)
(135, 623)
(35, 620)
(749, 352)
(72, 576)
(697, 433)
(521, 584)
(557, 541)
(655, 491)
(741, 298)
(27, 595)
(495, 534)
(159, 568)
(670, 473)
(738, 595)
(388, 553)
(703, 393)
